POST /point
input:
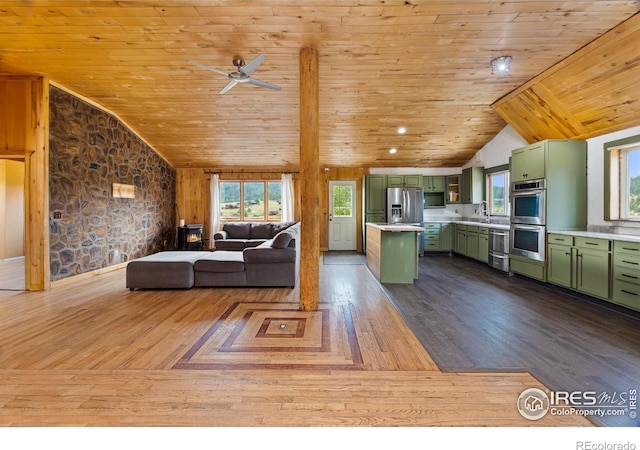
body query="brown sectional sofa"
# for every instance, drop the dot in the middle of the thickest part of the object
(237, 236)
(273, 262)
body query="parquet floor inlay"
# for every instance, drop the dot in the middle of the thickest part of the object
(277, 336)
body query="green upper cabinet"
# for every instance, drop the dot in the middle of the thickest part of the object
(563, 164)
(404, 181)
(472, 185)
(454, 191)
(528, 163)
(433, 183)
(375, 194)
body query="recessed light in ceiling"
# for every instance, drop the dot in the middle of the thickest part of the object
(393, 150)
(402, 130)
(501, 64)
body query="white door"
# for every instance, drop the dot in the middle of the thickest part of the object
(342, 215)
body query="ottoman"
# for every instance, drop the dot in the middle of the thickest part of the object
(164, 270)
(220, 268)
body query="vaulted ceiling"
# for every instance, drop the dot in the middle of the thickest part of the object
(424, 65)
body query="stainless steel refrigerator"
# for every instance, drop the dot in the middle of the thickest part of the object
(406, 205)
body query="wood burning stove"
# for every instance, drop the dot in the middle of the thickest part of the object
(190, 237)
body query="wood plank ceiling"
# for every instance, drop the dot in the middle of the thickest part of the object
(424, 65)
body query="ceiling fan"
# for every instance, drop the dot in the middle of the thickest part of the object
(242, 75)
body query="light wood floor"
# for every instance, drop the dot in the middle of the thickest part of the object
(93, 353)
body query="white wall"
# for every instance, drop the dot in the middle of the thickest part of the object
(595, 179)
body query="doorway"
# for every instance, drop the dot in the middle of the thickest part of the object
(342, 215)
(12, 270)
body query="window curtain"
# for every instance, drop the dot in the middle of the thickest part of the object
(214, 214)
(287, 197)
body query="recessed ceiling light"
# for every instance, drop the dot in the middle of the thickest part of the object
(501, 64)
(402, 130)
(393, 150)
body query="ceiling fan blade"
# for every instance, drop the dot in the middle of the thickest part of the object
(253, 64)
(229, 85)
(263, 84)
(226, 74)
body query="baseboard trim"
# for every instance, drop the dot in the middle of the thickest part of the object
(84, 276)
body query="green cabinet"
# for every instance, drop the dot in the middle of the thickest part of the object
(404, 181)
(563, 164)
(453, 188)
(625, 289)
(467, 241)
(375, 194)
(528, 163)
(433, 183)
(374, 191)
(437, 237)
(433, 191)
(472, 185)
(579, 263)
(483, 244)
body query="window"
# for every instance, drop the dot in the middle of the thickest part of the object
(622, 169)
(342, 201)
(498, 193)
(251, 200)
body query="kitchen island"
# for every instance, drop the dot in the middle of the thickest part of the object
(392, 252)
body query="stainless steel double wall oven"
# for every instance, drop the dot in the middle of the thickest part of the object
(528, 219)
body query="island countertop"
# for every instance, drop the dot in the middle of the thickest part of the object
(394, 227)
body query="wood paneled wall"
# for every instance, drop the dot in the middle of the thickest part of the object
(192, 191)
(591, 93)
(24, 132)
(192, 194)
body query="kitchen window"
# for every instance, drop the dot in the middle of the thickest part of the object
(251, 200)
(622, 180)
(498, 193)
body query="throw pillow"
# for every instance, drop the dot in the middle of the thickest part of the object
(281, 240)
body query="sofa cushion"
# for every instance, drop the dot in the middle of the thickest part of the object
(280, 226)
(282, 239)
(221, 262)
(261, 231)
(230, 244)
(237, 230)
(266, 255)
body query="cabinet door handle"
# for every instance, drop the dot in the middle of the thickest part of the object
(630, 262)
(567, 253)
(591, 243)
(629, 276)
(632, 249)
(628, 292)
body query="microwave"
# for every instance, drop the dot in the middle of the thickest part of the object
(528, 202)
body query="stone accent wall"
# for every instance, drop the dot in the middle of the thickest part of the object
(90, 150)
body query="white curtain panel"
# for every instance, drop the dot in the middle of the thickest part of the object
(214, 215)
(287, 197)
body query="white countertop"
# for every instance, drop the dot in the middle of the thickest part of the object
(593, 234)
(499, 226)
(394, 228)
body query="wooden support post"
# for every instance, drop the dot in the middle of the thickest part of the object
(309, 180)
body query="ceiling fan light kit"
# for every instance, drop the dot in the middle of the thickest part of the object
(242, 75)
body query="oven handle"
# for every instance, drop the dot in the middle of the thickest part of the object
(527, 227)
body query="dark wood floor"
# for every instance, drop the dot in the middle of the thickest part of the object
(470, 317)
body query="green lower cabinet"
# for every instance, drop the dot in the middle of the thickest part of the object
(527, 267)
(579, 263)
(472, 243)
(625, 288)
(483, 244)
(592, 272)
(446, 231)
(559, 265)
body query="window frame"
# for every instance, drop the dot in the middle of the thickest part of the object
(616, 180)
(241, 209)
(488, 174)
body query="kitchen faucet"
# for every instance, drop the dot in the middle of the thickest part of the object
(484, 212)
